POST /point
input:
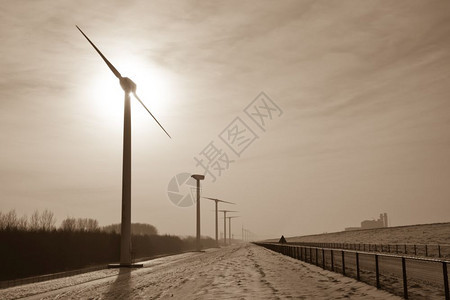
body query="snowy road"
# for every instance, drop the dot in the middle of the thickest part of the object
(236, 272)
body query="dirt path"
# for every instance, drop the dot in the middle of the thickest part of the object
(237, 272)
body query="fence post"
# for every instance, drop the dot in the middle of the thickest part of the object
(396, 248)
(426, 250)
(415, 249)
(405, 282)
(323, 258)
(357, 267)
(332, 260)
(439, 251)
(377, 271)
(343, 262)
(310, 254)
(317, 256)
(444, 270)
(406, 252)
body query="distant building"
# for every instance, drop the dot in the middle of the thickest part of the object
(370, 224)
(352, 228)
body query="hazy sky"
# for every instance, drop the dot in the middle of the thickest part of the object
(363, 87)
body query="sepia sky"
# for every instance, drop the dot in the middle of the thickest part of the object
(363, 87)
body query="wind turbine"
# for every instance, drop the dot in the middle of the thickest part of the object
(129, 87)
(225, 224)
(229, 226)
(217, 217)
(198, 177)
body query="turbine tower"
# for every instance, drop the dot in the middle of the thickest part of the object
(225, 224)
(198, 177)
(229, 226)
(217, 215)
(129, 87)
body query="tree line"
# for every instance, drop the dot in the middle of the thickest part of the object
(46, 221)
(35, 246)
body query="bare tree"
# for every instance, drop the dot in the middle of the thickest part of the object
(9, 220)
(2, 221)
(81, 224)
(47, 221)
(34, 224)
(22, 223)
(69, 224)
(92, 225)
(143, 229)
(136, 229)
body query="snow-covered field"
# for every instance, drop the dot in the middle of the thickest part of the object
(235, 272)
(438, 233)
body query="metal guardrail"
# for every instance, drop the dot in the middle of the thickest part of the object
(401, 275)
(425, 250)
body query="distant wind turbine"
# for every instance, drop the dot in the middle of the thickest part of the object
(129, 87)
(217, 217)
(229, 226)
(225, 224)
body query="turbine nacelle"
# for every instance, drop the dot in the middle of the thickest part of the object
(128, 85)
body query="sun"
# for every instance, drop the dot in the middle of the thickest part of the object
(153, 88)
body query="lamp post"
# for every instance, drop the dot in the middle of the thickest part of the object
(198, 178)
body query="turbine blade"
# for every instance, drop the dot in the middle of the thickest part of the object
(218, 200)
(151, 114)
(226, 202)
(111, 67)
(211, 198)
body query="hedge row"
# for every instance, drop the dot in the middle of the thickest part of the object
(28, 253)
